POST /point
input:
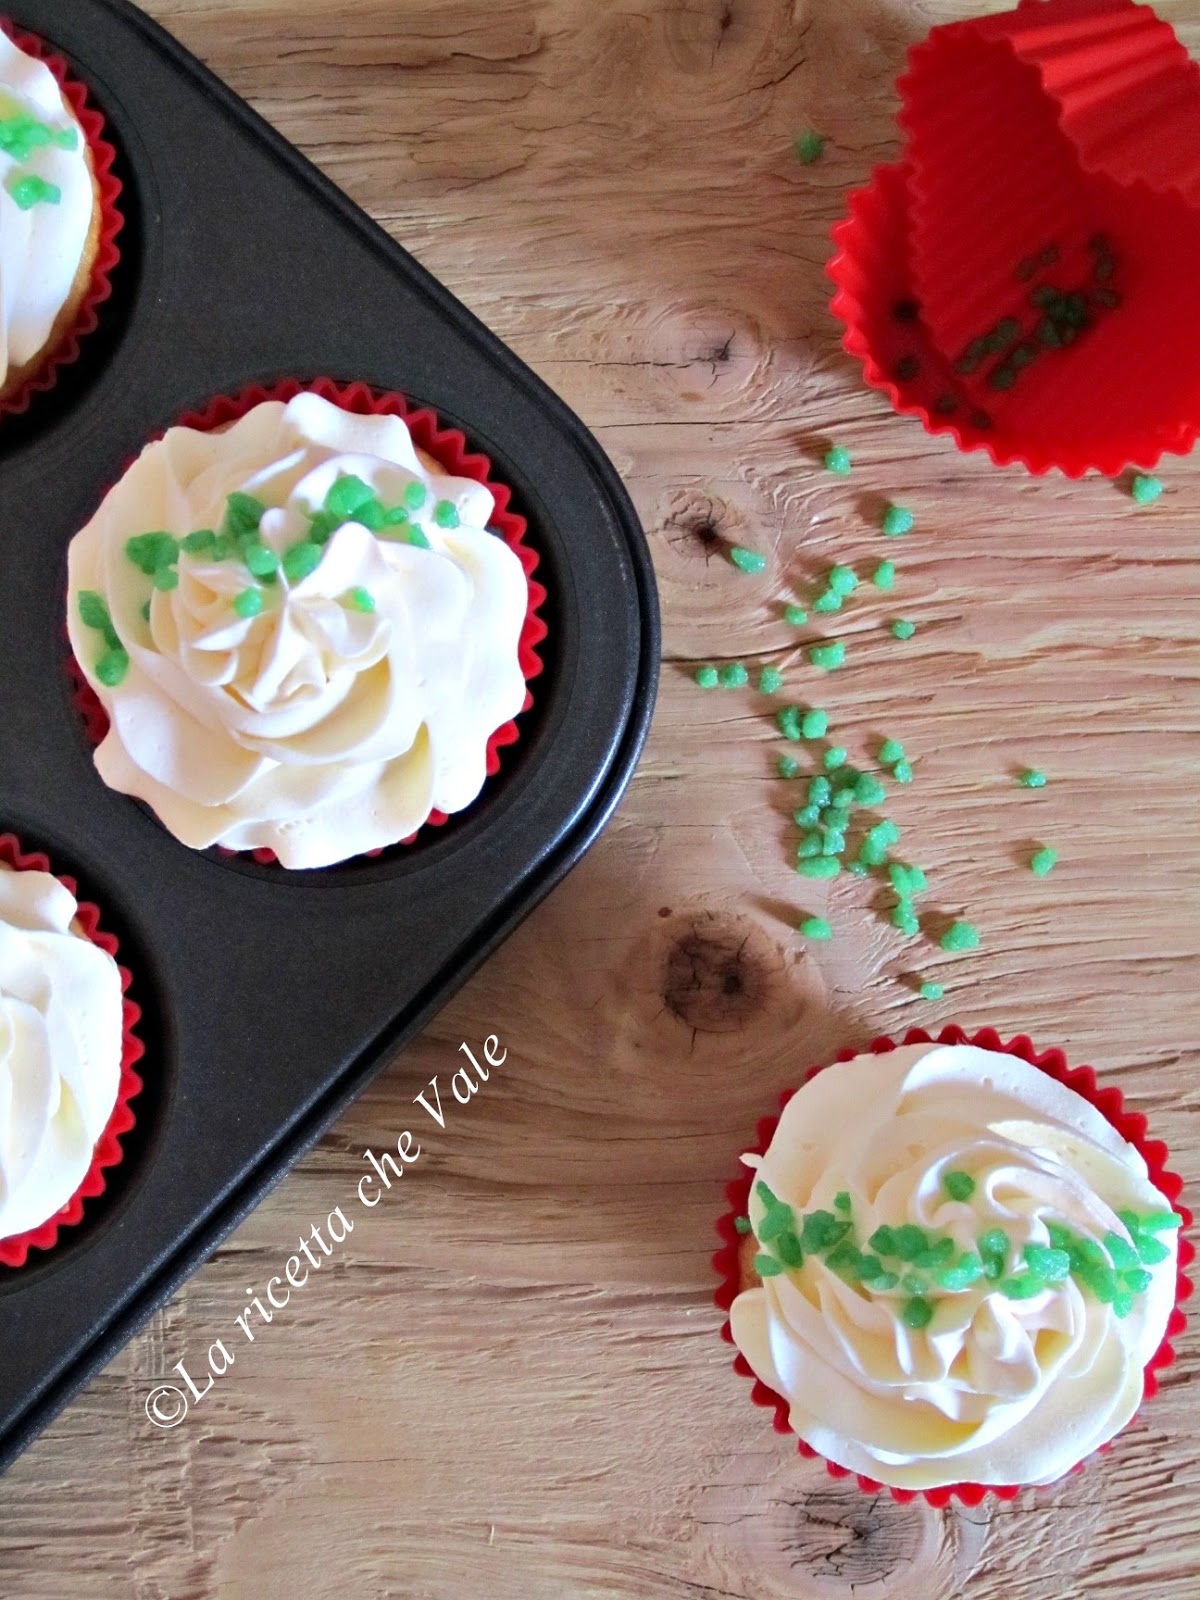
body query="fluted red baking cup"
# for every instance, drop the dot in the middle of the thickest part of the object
(448, 447)
(68, 348)
(1033, 136)
(1131, 1125)
(14, 1250)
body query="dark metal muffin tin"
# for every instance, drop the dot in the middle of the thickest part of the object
(271, 998)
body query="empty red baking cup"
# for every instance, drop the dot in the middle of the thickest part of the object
(67, 349)
(448, 447)
(14, 1250)
(1040, 143)
(1131, 1125)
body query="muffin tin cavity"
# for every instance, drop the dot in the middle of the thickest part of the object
(272, 997)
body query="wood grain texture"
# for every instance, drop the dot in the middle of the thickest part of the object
(508, 1382)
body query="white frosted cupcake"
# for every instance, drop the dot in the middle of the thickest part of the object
(302, 632)
(954, 1270)
(51, 216)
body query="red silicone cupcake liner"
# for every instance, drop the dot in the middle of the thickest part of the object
(14, 1250)
(67, 350)
(1108, 1101)
(449, 449)
(1031, 136)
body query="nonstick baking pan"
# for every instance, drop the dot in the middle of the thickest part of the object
(271, 997)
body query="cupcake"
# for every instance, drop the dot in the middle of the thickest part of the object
(51, 216)
(302, 632)
(953, 1270)
(63, 1044)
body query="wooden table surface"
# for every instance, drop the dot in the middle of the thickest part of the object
(508, 1384)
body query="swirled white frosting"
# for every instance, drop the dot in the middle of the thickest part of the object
(313, 729)
(41, 248)
(61, 1030)
(994, 1390)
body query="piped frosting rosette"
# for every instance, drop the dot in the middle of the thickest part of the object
(67, 1053)
(59, 217)
(950, 1271)
(303, 633)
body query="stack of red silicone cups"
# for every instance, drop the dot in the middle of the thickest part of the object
(1022, 278)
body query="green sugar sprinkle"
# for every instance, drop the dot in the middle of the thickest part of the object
(932, 991)
(838, 460)
(958, 1185)
(787, 720)
(249, 603)
(112, 666)
(786, 766)
(30, 190)
(795, 615)
(871, 853)
(1031, 778)
(746, 560)
(742, 1224)
(243, 514)
(815, 723)
(884, 575)
(261, 560)
(445, 514)
(960, 936)
(819, 867)
(347, 496)
(145, 611)
(896, 521)
(1145, 488)
(1043, 861)
(807, 817)
(903, 772)
(198, 543)
(808, 147)
(827, 602)
(842, 1200)
(907, 881)
(891, 751)
(885, 832)
(868, 791)
(301, 560)
(707, 677)
(917, 1313)
(835, 757)
(811, 845)
(360, 599)
(770, 680)
(22, 135)
(842, 580)
(733, 675)
(94, 613)
(165, 579)
(415, 496)
(906, 920)
(820, 790)
(827, 656)
(902, 628)
(150, 551)
(816, 928)
(767, 1267)
(994, 1243)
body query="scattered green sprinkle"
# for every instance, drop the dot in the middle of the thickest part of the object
(30, 190)
(961, 1274)
(907, 880)
(842, 1200)
(301, 560)
(827, 602)
(816, 928)
(960, 936)
(1043, 861)
(868, 791)
(787, 720)
(815, 723)
(198, 543)
(707, 677)
(787, 766)
(165, 579)
(884, 575)
(150, 551)
(906, 920)
(932, 991)
(820, 790)
(93, 611)
(1031, 778)
(896, 521)
(1054, 1266)
(917, 1313)
(808, 817)
(145, 611)
(903, 772)
(891, 751)
(261, 560)
(842, 580)
(770, 680)
(445, 514)
(819, 867)
(835, 757)
(790, 1250)
(113, 666)
(415, 496)
(733, 675)
(746, 560)
(360, 599)
(958, 1185)
(838, 460)
(795, 615)
(348, 496)
(808, 147)
(902, 628)
(1022, 1287)
(767, 1266)
(249, 603)
(827, 656)
(1145, 488)
(742, 1224)
(243, 514)
(1159, 1222)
